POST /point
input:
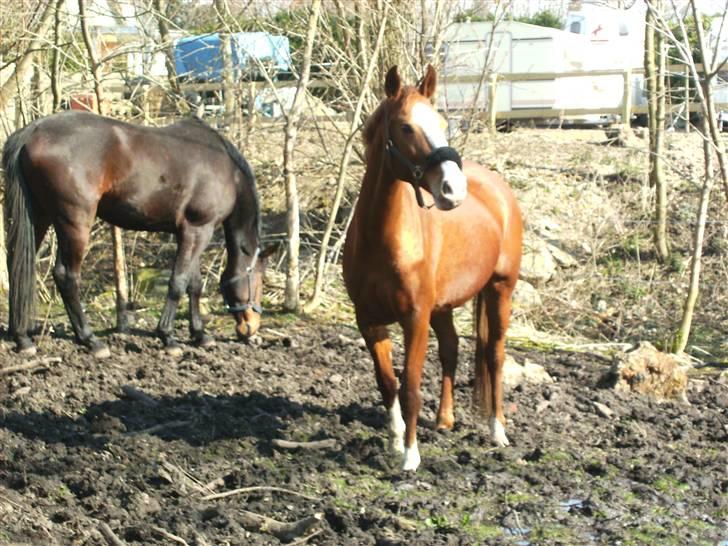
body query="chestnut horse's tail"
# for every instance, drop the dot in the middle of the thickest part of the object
(20, 230)
(482, 391)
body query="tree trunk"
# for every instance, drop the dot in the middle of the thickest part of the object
(56, 57)
(25, 62)
(160, 8)
(292, 295)
(343, 168)
(228, 76)
(655, 76)
(681, 338)
(120, 277)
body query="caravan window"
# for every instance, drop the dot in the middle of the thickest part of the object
(623, 29)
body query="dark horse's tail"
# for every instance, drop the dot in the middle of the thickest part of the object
(20, 230)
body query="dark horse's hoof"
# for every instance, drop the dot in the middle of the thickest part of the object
(28, 350)
(101, 352)
(172, 348)
(205, 341)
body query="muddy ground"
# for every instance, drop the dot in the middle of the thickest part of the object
(77, 453)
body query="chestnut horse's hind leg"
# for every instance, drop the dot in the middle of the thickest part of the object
(447, 342)
(380, 347)
(72, 241)
(191, 241)
(493, 313)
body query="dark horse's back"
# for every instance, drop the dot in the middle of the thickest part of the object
(134, 177)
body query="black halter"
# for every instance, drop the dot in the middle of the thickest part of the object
(249, 272)
(418, 170)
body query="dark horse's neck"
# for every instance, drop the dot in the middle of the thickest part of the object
(242, 227)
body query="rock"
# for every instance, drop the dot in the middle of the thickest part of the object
(646, 370)
(336, 378)
(603, 410)
(723, 377)
(515, 374)
(563, 258)
(526, 295)
(538, 264)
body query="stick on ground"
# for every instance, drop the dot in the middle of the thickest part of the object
(252, 489)
(30, 365)
(286, 532)
(318, 444)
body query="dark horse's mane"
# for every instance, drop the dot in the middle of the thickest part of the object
(239, 161)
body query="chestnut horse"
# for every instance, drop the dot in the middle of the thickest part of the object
(186, 179)
(407, 262)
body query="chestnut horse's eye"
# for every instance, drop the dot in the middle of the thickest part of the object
(407, 129)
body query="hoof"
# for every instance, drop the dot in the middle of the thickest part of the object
(173, 350)
(498, 433)
(444, 424)
(411, 458)
(27, 351)
(396, 445)
(101, 352)
(205, 342)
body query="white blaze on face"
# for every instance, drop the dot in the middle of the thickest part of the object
(453, 186)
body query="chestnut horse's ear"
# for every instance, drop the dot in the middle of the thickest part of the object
(429, 82)
(393, 83)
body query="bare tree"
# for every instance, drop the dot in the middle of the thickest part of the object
(712, 145)
(344, 164)
(226, 54)
(293, 118)
(655, 69)
(24, 63)
(161, 13)
(120, 276)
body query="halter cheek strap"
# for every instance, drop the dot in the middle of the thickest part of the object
(250, 304)
(418, 170)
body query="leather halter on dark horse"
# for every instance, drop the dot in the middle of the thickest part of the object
(409, 263)
(186, 179)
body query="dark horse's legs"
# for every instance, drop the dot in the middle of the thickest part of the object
(191, 241)
(194, 290)
(447, 342)
(72, 240)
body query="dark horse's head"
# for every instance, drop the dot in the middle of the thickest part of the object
(241, 283)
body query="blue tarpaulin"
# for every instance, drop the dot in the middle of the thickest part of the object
(198, 57)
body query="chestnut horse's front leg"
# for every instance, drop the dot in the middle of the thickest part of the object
(380, 347)
(416, 332)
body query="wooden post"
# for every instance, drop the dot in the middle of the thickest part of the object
(492, 97)
(627, 98)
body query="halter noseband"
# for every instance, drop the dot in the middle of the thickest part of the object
(418, 170)
(250, 304)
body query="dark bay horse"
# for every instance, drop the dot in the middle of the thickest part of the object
(186, 179)
(407, 262)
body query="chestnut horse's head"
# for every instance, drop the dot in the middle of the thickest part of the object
(415, 141)
(242, 291)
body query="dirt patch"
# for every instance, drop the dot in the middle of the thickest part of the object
(75, 451)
